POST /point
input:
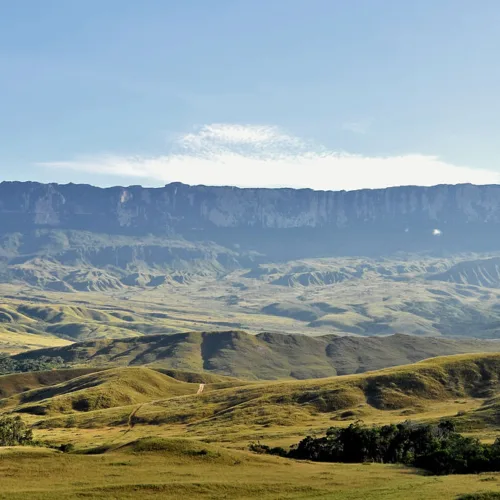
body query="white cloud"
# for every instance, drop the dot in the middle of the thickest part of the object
(255, 156)
(247, 140)
(221, 133)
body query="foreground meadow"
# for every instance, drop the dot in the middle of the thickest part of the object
(136, 432)
(185, 470)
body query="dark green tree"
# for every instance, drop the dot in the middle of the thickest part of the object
(14, 432)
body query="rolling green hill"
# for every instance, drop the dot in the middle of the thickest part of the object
(104, 389)
(132, 426)
(21, 382)
(262, 356)
(410, 388)
(111, 396)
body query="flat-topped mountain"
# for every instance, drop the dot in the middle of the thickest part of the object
(278, 223)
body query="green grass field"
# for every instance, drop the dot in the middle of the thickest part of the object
(142, 433)
(185, 470)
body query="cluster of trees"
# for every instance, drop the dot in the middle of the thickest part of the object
(436, 448)
(11, 365)
(14, 432)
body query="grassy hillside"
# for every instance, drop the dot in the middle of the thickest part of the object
(174, 468)
(21, 382)
(262, 356)
(199, 441)
(59, 324)
(288, 403)
(15, 342)
(110, 397)
(104, 389)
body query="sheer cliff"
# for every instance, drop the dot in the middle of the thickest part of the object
(277, 223)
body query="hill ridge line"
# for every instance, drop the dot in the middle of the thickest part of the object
(265, 356)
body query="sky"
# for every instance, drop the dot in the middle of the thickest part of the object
(324, 94)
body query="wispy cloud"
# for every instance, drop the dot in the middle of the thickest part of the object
(254, 156)
(220, 133)
(357, 127)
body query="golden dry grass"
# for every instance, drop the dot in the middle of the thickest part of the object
(197, 447)
(186, 471)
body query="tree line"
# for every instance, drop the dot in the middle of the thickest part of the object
(11, 365)
(438, 449)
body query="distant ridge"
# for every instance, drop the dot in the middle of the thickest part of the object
(478, 272)
(264, 356)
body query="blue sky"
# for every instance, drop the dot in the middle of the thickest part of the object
(328, 94)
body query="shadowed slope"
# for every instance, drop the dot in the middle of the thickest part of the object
(264, 356)
(479, 272)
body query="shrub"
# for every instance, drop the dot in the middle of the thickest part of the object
(488, 495)
(67, 447)
(262, 448)
(14, 432)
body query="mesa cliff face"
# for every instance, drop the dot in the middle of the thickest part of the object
(401, 218)
(177, 205)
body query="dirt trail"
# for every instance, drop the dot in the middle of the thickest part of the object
(130, 421)
(132, 415)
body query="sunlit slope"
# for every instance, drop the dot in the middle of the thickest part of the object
(20, 382)
(104, 389)
(274, 405)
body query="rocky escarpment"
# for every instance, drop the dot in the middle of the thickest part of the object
(274, 222)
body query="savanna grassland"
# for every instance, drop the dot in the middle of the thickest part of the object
(137, 431)
(283, 351)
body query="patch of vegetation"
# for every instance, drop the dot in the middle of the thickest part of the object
(173, 446)
(435, 448)
(487, 495)
(14, 432)
(33, 364)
